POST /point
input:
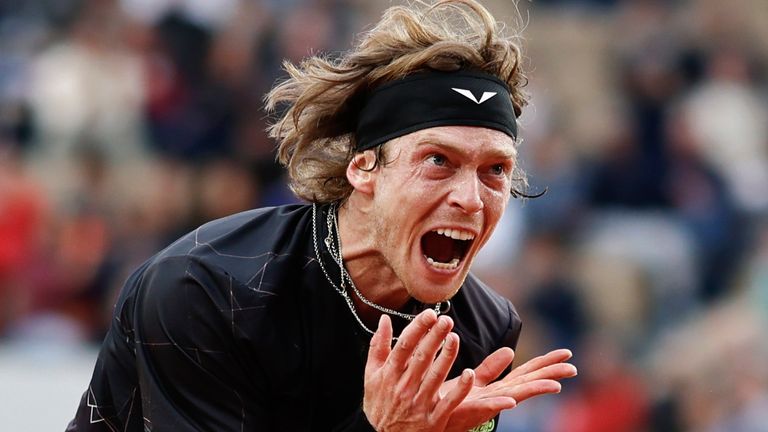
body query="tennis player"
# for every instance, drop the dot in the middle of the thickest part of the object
(356, 311)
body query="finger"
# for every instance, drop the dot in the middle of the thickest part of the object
(424, 354)
(490, 405)
(553, 372)
(409, 339)
(440, 368)
(458, 393)
(472, 413)
(493, 366)
(552, 357)
(534, 388)
(381, 345)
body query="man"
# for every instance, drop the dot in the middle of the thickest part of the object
(406, 148)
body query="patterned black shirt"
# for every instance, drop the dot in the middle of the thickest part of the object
(234, 327)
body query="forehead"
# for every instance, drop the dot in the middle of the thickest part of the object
(467, 139)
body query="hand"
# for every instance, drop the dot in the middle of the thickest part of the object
(535, 377)
(405, 386)
(402, 384)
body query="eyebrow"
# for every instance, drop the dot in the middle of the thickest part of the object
(435, 141)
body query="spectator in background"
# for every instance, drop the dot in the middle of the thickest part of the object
(728, 119)
(701, 200)
(24, 212)
(611, 397)
(88, 88)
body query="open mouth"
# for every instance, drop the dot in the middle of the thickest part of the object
(444, 248)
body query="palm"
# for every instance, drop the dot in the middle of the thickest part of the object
(535, 377)
(406, 387)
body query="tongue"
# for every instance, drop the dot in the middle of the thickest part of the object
(437, 247)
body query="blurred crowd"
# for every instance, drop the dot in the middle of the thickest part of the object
(126, 123)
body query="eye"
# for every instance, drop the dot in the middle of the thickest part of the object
(437, 159)
(499, 169)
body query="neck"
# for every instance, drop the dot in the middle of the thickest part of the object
(366, 265)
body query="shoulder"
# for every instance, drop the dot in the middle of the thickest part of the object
(243, 233)
(244, 243)
(487, 318)
(230, 269)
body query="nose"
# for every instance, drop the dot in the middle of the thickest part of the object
(465, 194)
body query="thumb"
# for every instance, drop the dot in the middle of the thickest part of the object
(494, 365)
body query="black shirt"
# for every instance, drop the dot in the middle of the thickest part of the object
(234, 327)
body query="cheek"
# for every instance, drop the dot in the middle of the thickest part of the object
(495, 204)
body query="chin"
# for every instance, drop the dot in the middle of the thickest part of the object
(434, 294)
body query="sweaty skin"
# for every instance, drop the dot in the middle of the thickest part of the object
(449, 177)
(443, 177)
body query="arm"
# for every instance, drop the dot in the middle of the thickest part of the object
(191, 373)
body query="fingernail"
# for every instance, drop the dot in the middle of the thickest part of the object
(467, 375)
(455, 338)
(448, 342)
(444, 322)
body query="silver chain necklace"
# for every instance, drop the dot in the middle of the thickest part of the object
(334, 248)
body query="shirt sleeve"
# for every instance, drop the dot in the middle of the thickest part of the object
(191, 373)
(512, 335)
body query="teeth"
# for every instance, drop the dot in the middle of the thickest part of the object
(445, 266)
(455, 234)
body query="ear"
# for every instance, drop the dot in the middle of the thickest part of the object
(360, 172)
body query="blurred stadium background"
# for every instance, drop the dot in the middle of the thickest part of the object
(125, 123)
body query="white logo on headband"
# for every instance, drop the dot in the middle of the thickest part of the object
(468, 94)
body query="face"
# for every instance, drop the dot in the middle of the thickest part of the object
(437, 202)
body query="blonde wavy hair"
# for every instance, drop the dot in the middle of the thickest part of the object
(315, 134)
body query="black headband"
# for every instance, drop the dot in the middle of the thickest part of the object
(429, 99)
